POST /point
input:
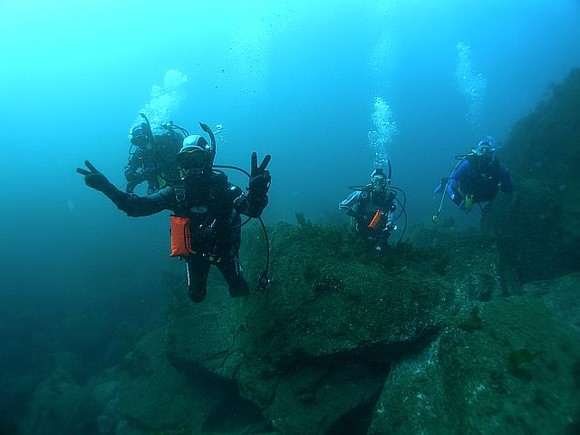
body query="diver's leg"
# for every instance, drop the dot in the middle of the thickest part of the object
(381, 241)
(197, 273)
(231, 270)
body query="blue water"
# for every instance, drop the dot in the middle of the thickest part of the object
(297, 79)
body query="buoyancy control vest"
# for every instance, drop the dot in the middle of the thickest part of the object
(483, 179)
(205, 220)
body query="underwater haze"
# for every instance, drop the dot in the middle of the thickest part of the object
(331, 89)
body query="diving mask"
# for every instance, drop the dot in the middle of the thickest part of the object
(192, 159)
(378, 182)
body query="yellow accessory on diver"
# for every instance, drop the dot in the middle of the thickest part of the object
(468, 202)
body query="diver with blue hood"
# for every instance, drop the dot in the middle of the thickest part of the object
(206, 212)
(476, 179)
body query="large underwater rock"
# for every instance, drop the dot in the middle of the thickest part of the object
(318, 344)
(511, 368)
(539, 223)
(153, 393)
(59, 405)
(312, 354)
(436, 339)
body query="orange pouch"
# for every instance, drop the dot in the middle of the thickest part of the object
(376, 219)
(180, 236)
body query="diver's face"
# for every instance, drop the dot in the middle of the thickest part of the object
(485, 150)
(379, 183)
(140, 141)
(193, 159)
(140, 136)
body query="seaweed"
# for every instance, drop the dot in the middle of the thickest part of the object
(302, 221)
(322, 236)
(311, 272)
(518, 359)
(473, 323)
(441, 265)
(328, 283)
(576, 374)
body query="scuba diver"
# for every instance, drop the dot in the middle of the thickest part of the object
(152, 155)
(206, 212)
(373, 208)
(476, 179)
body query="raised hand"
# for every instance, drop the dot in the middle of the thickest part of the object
(260, 177)
(94, 179)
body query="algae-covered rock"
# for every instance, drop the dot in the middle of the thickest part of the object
(153, 394)
(538, 224)
(314, 350)
(516, 374)
(59, 405)
(179, 379)
(560, 296)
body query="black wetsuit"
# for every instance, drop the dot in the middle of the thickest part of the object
(214, 206)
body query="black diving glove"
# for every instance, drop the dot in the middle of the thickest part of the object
(96, 180)
(260, 177)
(457, 198)
(259, 182)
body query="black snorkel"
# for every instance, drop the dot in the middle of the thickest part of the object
(149, 131)
(212, 143)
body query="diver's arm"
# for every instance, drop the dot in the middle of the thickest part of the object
(453, 192)
(452, 188)
(350, 200)
(351, 204)
(137, 206)
(131, 204)
(250, 204)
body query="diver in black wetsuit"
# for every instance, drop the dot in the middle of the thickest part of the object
(206, 222)
(154, 157)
